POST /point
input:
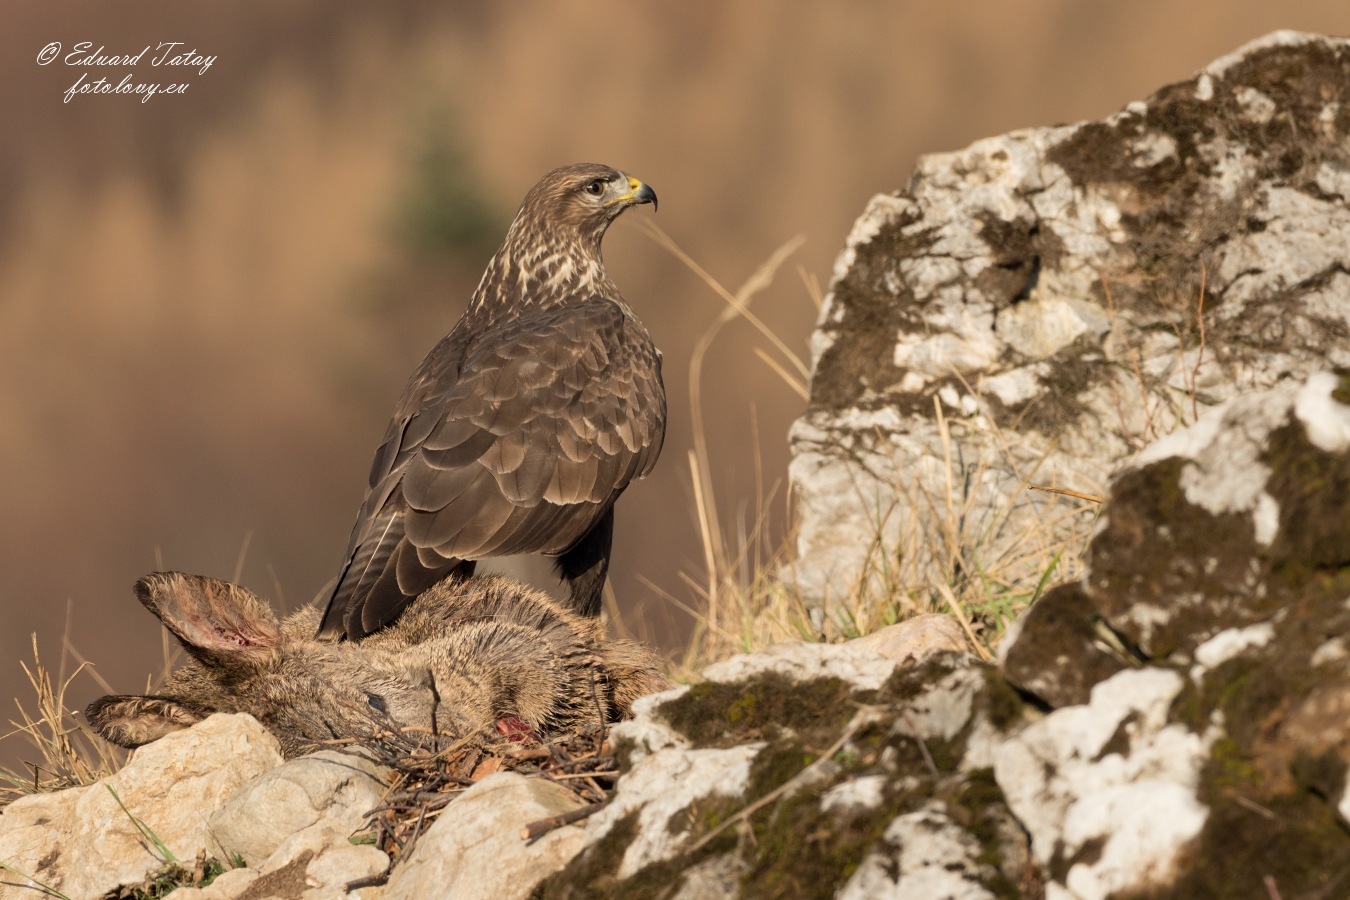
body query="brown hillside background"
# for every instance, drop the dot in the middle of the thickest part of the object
(209, 302)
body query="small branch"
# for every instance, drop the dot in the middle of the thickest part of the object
(1199, 356)
(1068, 493)
(538, 829)
(412, 841)
(368, 881)
(1253, 806)
(918, 739)
(533, 753)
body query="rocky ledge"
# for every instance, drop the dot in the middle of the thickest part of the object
(1177, 725)
(1040, 306)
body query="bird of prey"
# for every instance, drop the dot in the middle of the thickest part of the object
(523, 425)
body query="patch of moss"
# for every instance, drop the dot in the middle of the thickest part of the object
(1002, 703)
(981, 807)
(1020, 249)
(1070, 373)
(1057, 656)
(870, 316)
(592, 874)
(1157, 547)
(703, 815)
(781, 761)
(806, 853)
(1312, 488)
(1322, 775)
(1297, 840)
(1229, 768)
(908, 682)
(622, 748)
(712, 714)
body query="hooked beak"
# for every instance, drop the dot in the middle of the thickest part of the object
(637, 193)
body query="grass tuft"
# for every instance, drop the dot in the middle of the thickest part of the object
(943, 552)
(70, 753)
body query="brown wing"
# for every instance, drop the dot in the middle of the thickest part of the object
(519, 448)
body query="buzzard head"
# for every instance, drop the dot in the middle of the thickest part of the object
(551, 254)
(582, 199)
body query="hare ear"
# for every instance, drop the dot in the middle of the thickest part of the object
(133, 721)
(218, 623)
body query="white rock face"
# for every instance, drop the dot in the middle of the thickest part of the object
(801, 661)
(861, 793)
(474, 850)
(931, 856)
(328, 787)
(663, 784)
(1042, 288)
(1068, 787)
(81, 843)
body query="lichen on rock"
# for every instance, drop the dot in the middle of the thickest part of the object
(1222, 562)
(802, 825)
(1066, 296)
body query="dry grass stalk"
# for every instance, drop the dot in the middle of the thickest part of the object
(928, 553)
(939, 543)
(70, 753)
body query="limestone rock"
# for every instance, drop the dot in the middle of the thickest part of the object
(801, 661)
(1067, 656)
(659, 794)
(1199, 741)
(1042, 288)
(1213, 752)
(79, 842)
(750, 737)
(312, 864)
(914, 640)
(329, 787)
(474, 849)
(926, 855)
(1113, 775)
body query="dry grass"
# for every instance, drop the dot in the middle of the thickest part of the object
(946, 551)
(981, 546)
(66, 752)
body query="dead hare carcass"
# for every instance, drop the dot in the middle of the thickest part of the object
(466, 655)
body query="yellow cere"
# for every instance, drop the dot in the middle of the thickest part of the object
(633, 187)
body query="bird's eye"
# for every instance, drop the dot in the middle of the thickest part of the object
(596, 187)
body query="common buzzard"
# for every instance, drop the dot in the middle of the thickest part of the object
(523, 425)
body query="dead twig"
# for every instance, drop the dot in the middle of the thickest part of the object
(918, 739)
(1091, 498)
(865, 716)
(1200, 355)
(368, 881)
(536, 830)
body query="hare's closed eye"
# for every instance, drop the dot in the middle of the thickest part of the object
(376, 702)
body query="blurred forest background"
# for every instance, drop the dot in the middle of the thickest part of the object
(209, 302)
